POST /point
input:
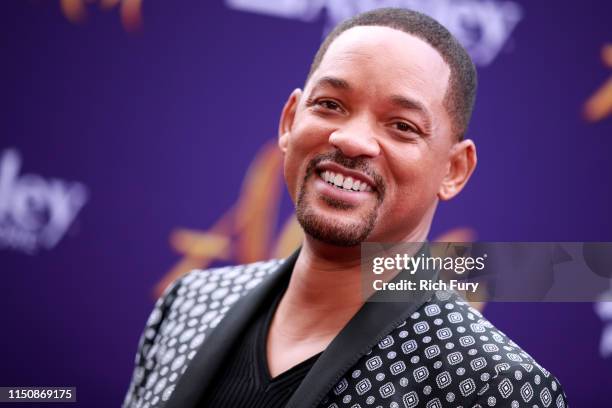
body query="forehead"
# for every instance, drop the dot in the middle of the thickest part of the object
(383, 58)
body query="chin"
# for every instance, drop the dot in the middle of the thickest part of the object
(333, 228)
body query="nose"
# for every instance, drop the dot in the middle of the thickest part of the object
(356, 138)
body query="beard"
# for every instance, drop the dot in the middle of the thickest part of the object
(327, 228)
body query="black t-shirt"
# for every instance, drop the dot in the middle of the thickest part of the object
(244, 380)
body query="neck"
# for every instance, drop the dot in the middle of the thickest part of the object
(325, 289)
(326, 277)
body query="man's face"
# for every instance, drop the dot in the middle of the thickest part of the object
(367, 143)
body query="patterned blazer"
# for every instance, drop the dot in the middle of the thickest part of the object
(435, 351)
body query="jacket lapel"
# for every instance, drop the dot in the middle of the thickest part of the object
(211, 355)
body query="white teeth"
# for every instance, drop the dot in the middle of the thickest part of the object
(338, 180)
(348, 183)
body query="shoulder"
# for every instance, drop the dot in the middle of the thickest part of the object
(485, 366)
(203, 296)
(235, 278)
(447, 352)
(222, 284)
(181, 319)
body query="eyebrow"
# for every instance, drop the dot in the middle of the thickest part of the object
(334, 82)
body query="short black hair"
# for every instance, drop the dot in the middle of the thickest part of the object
(461, 91)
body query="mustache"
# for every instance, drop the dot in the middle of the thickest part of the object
(361, 164)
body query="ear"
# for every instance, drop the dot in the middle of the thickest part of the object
(287, 118)
(462, 162)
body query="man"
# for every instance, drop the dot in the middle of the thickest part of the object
(371, 144)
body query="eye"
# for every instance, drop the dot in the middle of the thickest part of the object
(405, 127)
(329, 104)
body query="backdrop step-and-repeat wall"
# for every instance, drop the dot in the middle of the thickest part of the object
(137, 141)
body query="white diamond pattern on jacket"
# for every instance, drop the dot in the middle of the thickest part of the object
(450, 356)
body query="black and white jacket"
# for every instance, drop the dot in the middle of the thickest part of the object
(434, 352)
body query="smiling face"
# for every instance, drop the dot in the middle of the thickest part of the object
(368, 144)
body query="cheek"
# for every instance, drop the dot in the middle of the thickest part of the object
(416, 176)
(306, 140)
(308, 133)
(294, 169)
(289, 174)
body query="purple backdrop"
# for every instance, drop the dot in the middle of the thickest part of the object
(158, 128)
